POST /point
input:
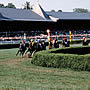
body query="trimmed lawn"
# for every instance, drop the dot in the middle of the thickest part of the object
(17, 73)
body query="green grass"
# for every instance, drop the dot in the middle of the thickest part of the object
(6, 54)
(17, 73)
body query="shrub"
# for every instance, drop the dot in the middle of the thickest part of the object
(76, 50)
(8, 46)
(60, 60)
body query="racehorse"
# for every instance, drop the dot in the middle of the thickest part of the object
(35, 48)
(22, 49)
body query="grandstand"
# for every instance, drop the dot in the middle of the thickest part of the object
(16, 22)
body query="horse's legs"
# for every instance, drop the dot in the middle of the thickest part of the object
(23, 51)
(17, 52)
(33, 52)
(26, 51)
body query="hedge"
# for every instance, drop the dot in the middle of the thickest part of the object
(61, 60)
(9, 46)
(73, 42)
(74, 50)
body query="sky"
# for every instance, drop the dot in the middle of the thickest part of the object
(48, 5)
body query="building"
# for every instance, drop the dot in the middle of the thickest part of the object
(20, 20)
(72, 20)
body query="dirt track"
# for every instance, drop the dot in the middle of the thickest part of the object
(15, 61)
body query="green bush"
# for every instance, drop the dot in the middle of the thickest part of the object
(61, 60)
(8, 46)
(74, 50)
(76, 41)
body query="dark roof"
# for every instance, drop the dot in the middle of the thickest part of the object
(19, 14)
(70, 15)
(3, 18)
(29, 15)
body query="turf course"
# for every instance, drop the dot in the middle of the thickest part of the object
(17, 73)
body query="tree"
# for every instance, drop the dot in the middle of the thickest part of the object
(52, 10)
(27, 6)
(2, 6)
(80, 10)
(59, 10)
(10, 5)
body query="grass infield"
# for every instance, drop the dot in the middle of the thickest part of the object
(17, 73)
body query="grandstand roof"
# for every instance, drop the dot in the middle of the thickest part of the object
(10, 14)
(70, 15)
(19, 14)
(3, 18)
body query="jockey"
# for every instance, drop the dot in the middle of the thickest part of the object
(31, 47)
(65, 42)
(50, 43)
(85, 41)
(24, 44)
(22, 48)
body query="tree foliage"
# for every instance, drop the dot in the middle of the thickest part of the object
(80, 10)
(53, 11)
(27, 5)
(2, 6)
(59, 10)
(10, 5)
